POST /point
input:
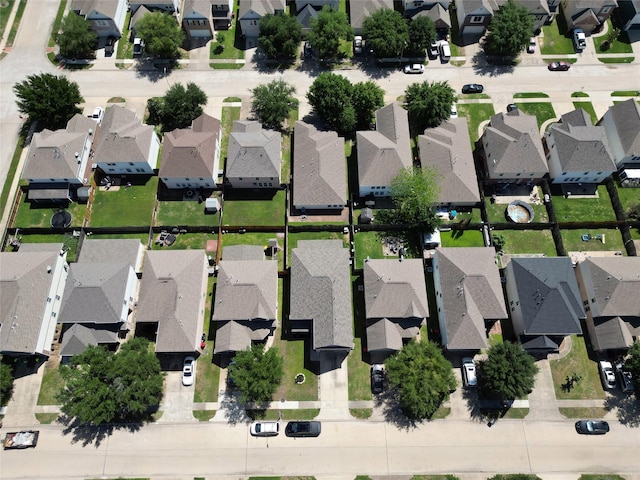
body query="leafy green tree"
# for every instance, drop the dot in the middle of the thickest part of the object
(48, 99)
(387, 33)
(510, 30)
(422, 32)
(76, 38)
(181, 106)
(272, 103)
(330, 96)
(280, 36)
(422, 378)
(507, 373)
(327, 30)
(429, 103)
(633, 211)
(103, 387)
(499, 241)
(161, 34)
(632, 365)
(366, 98)
(257, 373)
(414, 192)
(6, 383)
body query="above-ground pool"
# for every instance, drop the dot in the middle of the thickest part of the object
(519, 212)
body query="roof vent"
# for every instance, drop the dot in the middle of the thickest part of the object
(49, 268)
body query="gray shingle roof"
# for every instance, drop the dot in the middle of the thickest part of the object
(172, 294)
(203, 7)
(384, 335)
(253, 152)
(117, 250)
(191, 152)
(261, 7)
(615, 333)
(319, 167)
(243, 252)
(547, 290)
(362, 9)
(447, 149)
(78, 337)
(437, 13)
(105, 7)
(387, 150)
(235, 336)
(321, 292)
(471, 293)
(626, 119)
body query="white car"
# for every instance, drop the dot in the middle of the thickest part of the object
(414, 68)
(469, 372)
(531, 48)
(454, 110)
(138, 45)
(97, 114)
(607, 375)
(357, 45)
(264, 429)
(187, 371)
(579, 40)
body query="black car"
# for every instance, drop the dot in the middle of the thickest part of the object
(377, 379)
(302, 429)
(592, 427)
(511, 107)
(472, 88)
(108, 47)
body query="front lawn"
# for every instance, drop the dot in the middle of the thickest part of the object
(295, 354)
(207, 377)
(462, 238)
(33, 215)
(584, 209)
(233, 45)
(51, 386)
(572, 240)
(543, 111)
(555, 39)
(587, 107)
(620, 45)
(577, 361)
(530, 95)
(268, 209)
(476, 113)
(5, 10)
(528, 241)
(359, 375)
(188, 212)
(126, 206)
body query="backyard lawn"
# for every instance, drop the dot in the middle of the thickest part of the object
(628, 196)
(126, 206)
(497, 212)
(33, 215)
(573, 242)
(528, 241)
(367, 244)
(543, 111)
(189, 212)
(253, 211)
(476, 113)
(584, 209)
(577, 361)
(251, 238)
(185, 241)
(294, 238)
(462, 238)
(67, 240)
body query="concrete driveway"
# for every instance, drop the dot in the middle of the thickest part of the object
(177, 405)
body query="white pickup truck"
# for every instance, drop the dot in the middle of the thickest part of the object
(24, 439)
(579, 40)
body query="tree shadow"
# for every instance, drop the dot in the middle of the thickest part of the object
(627, 407)
(491, 67)
(392, 411)
(154, 70)
(92, 434)
(234, 411)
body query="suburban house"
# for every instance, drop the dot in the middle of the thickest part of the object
(383, 152)
(577, 151)
(544, 301)
(254, 156)
(396, 305)
(197, 20)
(622, 126)
(173, 294)
(447, 149)
(167, 6)
(554, 10)
(251, 11)
(512, 150)
(629, 13)
(106, 17)
(319, 169)
(317, 4)
(100, 293)
(468, 295)
(320, 295)
(125, 145)
(474, 16)
(436, 11)
(222, 13)
(307, 10)
(362, 9)
(245, 309)
(609, 287)
(191, 156)
(305, 16)
(57, 161)
(588, 15)
(32, 282)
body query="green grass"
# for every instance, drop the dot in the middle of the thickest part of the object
(143, 237)
(67, 240)
(583, 412)
(295, 354)
(474, 216)
(595, 476)
(295, 414)
(556, 40)
(359, 376)
(46, 418)
(616, 59)
(171, 213)
(128, 206)
(52, 384)
(543, 111)
(626, 93)
(16, 23)
(250, 238)
(434, 477)
(476, 113)
(252, 211)
(5, 11)
(361, 413)
(55, 27)
(441, 413)
(587, 107)
(572, 240)
(475, 96)
(620, 45)
(627, 196)
(367, 244)
(229, 115)
(15, 160)
(285, 169)
(577, 361)
(584, 209)
(530, 95)
(233, 44)
(125, 47)
(204, 415)
(33, 215)
(579, 95)
(186, 241)
(207, 377)
(496, 212)
(226, 66)
(528, 241)
(462, 238)
(232, 99)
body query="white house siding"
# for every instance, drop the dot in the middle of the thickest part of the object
(439, 303)
(52, 308)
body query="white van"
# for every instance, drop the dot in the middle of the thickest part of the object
(445, 52)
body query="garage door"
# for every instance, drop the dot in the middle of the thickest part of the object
(473, 29)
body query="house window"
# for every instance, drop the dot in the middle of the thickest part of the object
(129, 170)
(48, 299)
(54, 314)
(57, 297)
(240, 178)
(606, 9)
(477, 19)
(253, 22)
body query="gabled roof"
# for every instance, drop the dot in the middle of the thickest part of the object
(447, 149)
(395, 289)
(319, 168)
(253, 151)
(105, 7)
(78, 337)
(25, 283)
(191, 152)
(580, 145)
(94, 293)
(306, 14)
(548, 293)
(385, 334)
(471, 293)
(626, 120)
(612, 285)
(172, 294)
(57, 154)
(615, 333)
(116, 250)
(512, 145)
(321, 291)
(387, 150)
(123, 138)
(202, 7)
(437, 13)
(233, 336)
(261, 7)
(364, 8)
(246, 290)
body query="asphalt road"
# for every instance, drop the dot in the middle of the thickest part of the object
(344, 448)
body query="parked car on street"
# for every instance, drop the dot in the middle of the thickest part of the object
(377, 378)
(24, 439)
(302, 429)
(579, 40)
(607, 375)
(264, 429)
(187, 371)
(592, 427)
(469, 378)
(559, 66)
(472, 88)
(414, 68)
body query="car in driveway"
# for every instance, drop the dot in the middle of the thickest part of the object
(98, 114)
(579, 40)
(303, 429)
(187, 371)
(469, 378)
(358, 45)
(531, 48)
(307, 50)
(559, 66)
(433, 50)
(138, 46)
(511, 107)
(264, 429)
(109, 45)
(414, 68)
(377, 378)
(625, 379)
(592, 427)
(607, 375)
(454, 111)
(472, 88)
